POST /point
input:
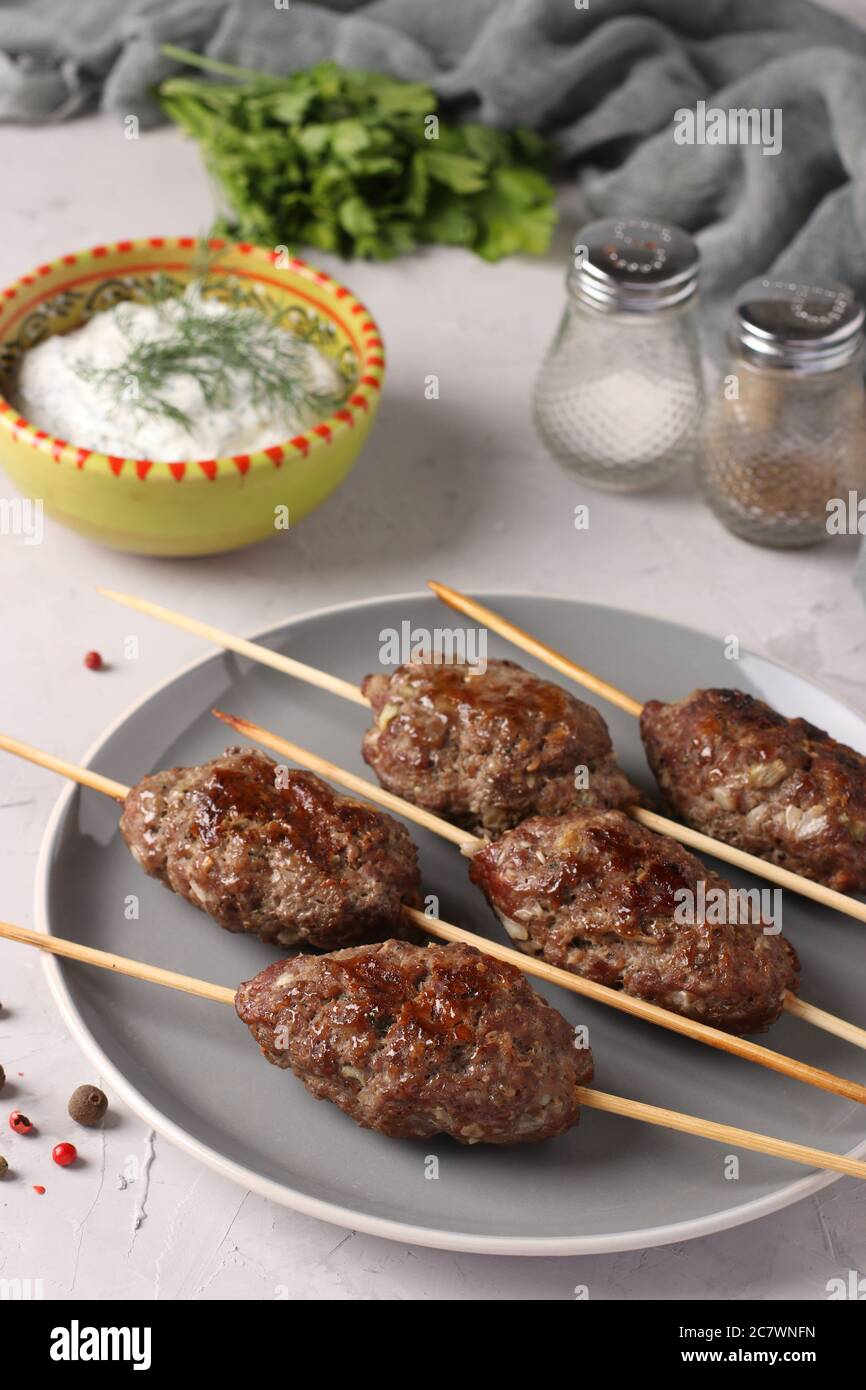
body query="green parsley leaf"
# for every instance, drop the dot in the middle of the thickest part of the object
(352, 162)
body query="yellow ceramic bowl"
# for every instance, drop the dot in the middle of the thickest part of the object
(190, 506)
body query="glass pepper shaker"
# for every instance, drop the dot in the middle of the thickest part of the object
(785, 431)
(620, 394)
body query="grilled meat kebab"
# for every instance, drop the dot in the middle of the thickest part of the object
(485, 749)
(414, 1041)
(273, 852)
(596, 893)
(572, 878)
(732, 767)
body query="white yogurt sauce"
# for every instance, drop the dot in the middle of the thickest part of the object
(53, 395)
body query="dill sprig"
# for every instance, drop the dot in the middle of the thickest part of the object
(244, 350)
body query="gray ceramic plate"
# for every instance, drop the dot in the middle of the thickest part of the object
(192, 1071)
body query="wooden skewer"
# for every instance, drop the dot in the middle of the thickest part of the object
(617, 999)
(708, 1129)
(121, 965)
(594, 1100)
(512, 633)
(819, 1018)
(695, 839)
(85, 775)
(253, 650)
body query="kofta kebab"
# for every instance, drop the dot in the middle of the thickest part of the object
(491, 748)
(591, 892)
(414, 1041)
(278, 854)
(581, 887)
(488, 752)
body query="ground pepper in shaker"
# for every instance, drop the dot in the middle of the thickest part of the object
(620, 394)
(785, 433)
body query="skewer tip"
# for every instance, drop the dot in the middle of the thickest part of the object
(233, 720)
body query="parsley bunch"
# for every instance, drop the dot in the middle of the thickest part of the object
(351, 162)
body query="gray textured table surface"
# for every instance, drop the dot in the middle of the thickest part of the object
(457, 488)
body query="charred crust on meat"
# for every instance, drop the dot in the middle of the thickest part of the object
(596, 893)
(485, 749)
(415, 1041)
(289, 860)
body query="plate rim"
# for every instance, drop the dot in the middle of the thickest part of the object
(363, 1222)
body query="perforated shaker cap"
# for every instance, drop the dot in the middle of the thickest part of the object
(805, 325)
(633, 264)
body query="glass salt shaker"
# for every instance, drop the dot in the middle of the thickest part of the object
(785, 434)
(620, 394)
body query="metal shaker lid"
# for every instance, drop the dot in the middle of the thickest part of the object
(633, 264)
(805, 325)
